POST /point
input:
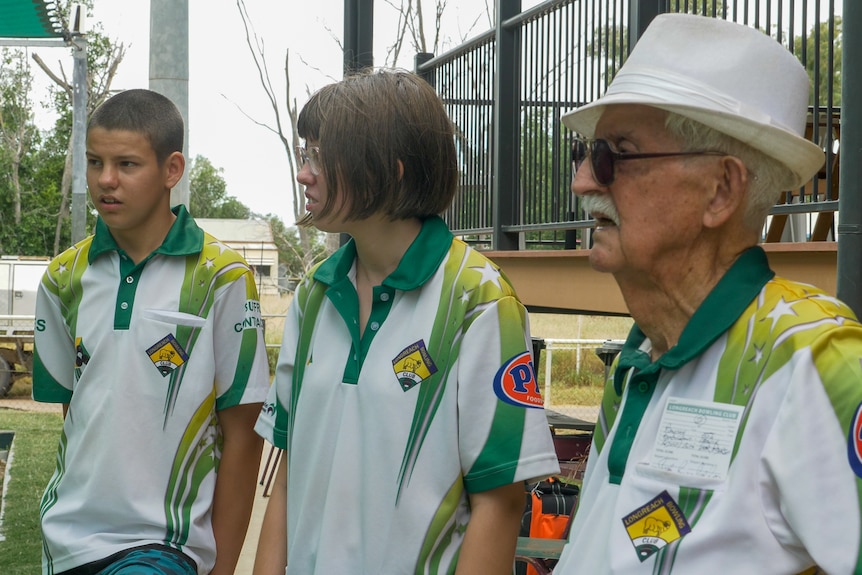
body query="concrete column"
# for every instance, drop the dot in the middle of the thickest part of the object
(169, 69)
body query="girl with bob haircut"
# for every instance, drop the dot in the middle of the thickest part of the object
(405, 396)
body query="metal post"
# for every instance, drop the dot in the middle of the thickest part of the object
(549, 357)
(79, 134)
(850, 168)
(358, 35)
(418, 60)
(641, 14)
(358, 45)
(506, 126)
(169, 69)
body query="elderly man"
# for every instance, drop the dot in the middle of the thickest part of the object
(728, 438)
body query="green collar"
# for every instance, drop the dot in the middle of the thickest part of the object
(184, 238)
(419, 263)
(721, 308)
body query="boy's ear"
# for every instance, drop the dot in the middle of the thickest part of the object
(175, 165)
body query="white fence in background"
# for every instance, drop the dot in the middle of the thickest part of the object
(578, 345)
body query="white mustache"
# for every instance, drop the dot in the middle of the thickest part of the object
(600, 204)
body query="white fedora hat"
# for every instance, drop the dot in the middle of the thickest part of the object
(727, 76)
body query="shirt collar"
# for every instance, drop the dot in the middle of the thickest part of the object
(419, 263)
(184, 238)
(718, 312)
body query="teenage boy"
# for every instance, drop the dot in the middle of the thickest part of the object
(149, 334)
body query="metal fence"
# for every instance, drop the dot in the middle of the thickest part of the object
(506, 90)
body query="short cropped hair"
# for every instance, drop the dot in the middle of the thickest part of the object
(766, 174)
(368, 122)
(145, 112)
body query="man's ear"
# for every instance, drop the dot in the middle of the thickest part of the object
(175, 165)
(729, 195)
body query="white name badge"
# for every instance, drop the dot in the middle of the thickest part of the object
(695, 438)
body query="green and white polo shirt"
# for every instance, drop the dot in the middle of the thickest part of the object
(145, 355)
(387, 434)
(737, 451)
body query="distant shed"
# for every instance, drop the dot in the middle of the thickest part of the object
(253, 239)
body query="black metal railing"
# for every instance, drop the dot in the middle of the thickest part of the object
(567, 52)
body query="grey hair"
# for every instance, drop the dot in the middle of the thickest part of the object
(767, 176)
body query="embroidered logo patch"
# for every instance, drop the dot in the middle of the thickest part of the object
(167, 355)
(655, 525)
(515, 382)
(413, 365)
(854, 443)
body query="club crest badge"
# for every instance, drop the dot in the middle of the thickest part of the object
(515, 382)
(655, 525)
(413, 365)
(167, 355)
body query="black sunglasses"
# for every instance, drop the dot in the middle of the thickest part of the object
(602, 157)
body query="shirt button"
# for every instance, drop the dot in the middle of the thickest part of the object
(384, 297)
(375, 326)
(129, 279)
(643, 387)
(124, 305)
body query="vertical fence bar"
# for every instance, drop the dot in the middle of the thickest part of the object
(506, 95)
(850, 168)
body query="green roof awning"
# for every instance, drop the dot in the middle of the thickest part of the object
(29, 19)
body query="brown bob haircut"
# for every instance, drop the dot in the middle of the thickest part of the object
(368, 122)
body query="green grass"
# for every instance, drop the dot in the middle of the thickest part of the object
(572, 384)
(574, 380)
(34, 453)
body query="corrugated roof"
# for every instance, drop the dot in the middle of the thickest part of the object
(29, 19)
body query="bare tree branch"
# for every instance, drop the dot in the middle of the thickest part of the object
(256, 47)
(64, 85)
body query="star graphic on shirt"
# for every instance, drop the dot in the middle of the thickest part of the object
(210, 262)
(758, 354)
(61, 268)
(781, 309)
(465, 295)
(489, 274)
(221, 247)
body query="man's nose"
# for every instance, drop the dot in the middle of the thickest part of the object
(583, 181)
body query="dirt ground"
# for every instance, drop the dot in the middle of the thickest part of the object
(27, 404)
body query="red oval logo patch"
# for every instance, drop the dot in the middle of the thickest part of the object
(515, 382)
(854, 443)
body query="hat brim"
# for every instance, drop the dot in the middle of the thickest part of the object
(802, 157)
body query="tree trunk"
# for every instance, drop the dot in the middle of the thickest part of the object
(65, 187)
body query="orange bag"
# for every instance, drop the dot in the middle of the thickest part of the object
(551, 504)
